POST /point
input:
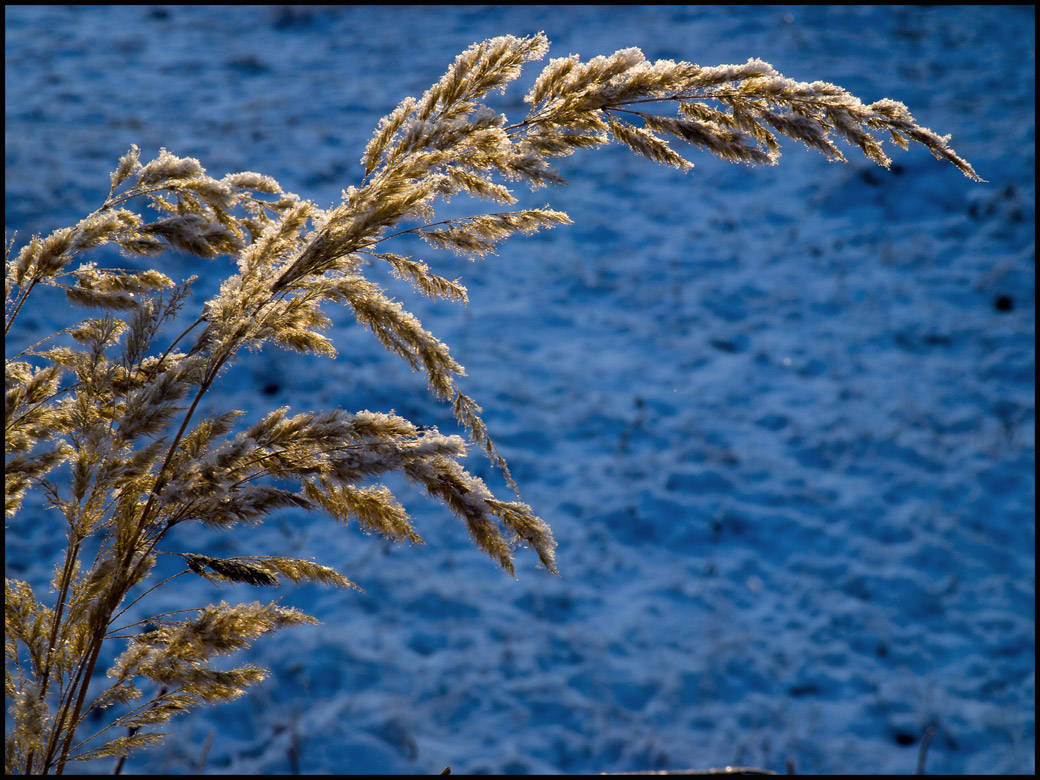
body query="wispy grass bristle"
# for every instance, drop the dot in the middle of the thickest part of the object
(107, 424)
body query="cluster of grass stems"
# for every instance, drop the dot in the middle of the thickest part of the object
(103, 424)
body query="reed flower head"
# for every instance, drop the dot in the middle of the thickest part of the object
(110, 428)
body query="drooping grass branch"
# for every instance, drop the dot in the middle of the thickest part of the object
(107, 428)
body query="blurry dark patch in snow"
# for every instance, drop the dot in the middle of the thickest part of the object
(919, 343)
(287, 17)
(394, 733)
(556, 608)
(426, 643)
(248, 65)
(736, 344)
(1004, 303)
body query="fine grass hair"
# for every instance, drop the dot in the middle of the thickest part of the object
(103, 422)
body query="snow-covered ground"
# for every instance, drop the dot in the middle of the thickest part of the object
(781, 420)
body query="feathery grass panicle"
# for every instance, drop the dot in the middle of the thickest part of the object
(107, 424)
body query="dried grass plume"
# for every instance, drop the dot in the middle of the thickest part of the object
(103, 418)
